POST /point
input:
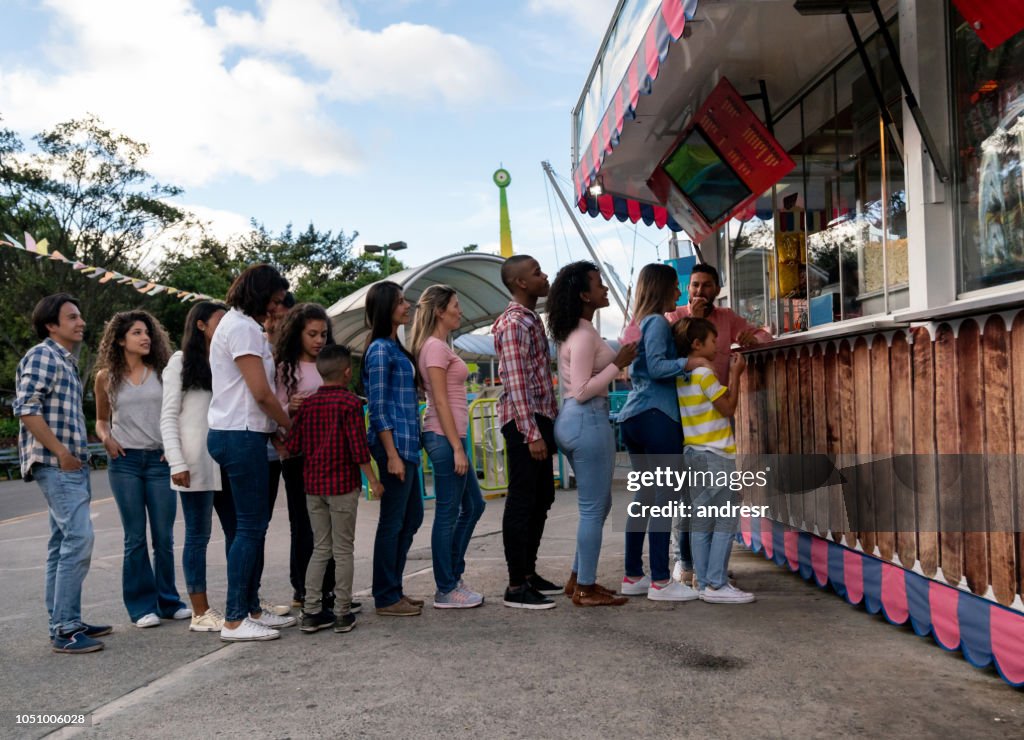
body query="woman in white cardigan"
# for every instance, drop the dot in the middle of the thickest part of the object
(194, 473)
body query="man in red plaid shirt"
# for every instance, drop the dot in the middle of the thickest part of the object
(526, 412)
(328, 431)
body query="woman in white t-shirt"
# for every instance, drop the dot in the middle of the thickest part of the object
(458, 502)
(243, 413)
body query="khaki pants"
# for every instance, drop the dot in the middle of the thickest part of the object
(333, 520)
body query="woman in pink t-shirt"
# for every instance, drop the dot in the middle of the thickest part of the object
(458, 502)
(304, 332)
(586, 367)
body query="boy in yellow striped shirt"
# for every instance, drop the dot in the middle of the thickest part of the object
(705, 409)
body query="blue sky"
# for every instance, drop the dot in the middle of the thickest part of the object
(386, 117)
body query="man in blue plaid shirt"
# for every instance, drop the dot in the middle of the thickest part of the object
(52, 445)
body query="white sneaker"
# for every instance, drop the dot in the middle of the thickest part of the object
(727, 594)
(671, 591)
(248, 630)
(211, 621)
(677, 571)
(273, 620)
(634, 588)
(182, 613)
(279, 610)
(149, 620)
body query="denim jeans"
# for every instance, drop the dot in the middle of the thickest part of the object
(69, 550)
(585, 436)
(531, 491)
(711, 537)
(401, 514)
(141, 483)
(651, 433)
(197, 509)
(458, 505)
(242, 456)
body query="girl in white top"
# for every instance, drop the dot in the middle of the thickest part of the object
(243, 413)
(132, 356)
(194, 474)
(586, 366)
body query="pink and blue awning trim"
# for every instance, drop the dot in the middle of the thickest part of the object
(985, 633)
(666, 27)
(627, 209)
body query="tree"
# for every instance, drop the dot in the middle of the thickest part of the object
(84, 190)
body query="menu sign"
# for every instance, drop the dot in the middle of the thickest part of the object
(720, 164)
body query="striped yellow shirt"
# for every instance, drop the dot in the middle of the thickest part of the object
(704, 428)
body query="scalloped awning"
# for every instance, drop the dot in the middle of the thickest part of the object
(627, 209)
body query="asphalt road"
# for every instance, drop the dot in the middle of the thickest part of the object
(798, 662)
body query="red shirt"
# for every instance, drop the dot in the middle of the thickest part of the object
(524, 367)
(329, 431)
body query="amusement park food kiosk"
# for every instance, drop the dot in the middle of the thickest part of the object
(854, 171)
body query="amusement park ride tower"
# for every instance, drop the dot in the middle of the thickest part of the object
(502, 179)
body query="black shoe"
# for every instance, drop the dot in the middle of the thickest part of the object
(346, 623)
(90, 630)
(316, 622)
(354, 607)
(527, 597)
(544, 586)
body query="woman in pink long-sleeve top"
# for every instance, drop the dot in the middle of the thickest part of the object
(586, 366)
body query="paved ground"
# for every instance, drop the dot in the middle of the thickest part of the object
(799, 662)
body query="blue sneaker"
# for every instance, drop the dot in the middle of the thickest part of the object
(90, 630)
(76, 642)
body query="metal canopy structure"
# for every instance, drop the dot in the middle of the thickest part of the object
(475, 277)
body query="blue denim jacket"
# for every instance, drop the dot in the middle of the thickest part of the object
(654, 371)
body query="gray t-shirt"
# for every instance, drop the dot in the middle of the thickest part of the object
(135, 420)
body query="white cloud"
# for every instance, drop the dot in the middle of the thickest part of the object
(246, 95)
(590, 16)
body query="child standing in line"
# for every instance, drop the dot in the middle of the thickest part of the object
(705, 406)
(328, 431)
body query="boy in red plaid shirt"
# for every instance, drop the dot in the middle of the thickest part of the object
(329, 432)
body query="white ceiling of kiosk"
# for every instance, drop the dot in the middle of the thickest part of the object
(744, 40)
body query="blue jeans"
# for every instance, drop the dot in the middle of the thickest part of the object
(711, 538)
(458, 506)
(197, 510)
(401, 514)
(69, 550)
(243, 460)
(141, 483)
(585, 436)
(648, 434)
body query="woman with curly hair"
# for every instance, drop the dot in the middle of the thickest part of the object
(129, 394)
(305, 331)
(194, 474)
(586, 366)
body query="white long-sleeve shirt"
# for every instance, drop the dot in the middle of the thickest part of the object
(183, 426)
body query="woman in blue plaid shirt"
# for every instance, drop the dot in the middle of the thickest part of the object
(389, 379)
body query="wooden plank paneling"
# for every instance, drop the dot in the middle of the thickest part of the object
(804, 439)
(881, 447)
(837, 520)
(1017, 378)
(862, 411)
(998, 444)
(947, 444)
(782, 423)
(972, 442)
(819, 402)
(901, 393)
(925, 478)
(848, 424)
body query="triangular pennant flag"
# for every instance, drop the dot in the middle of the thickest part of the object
(158, 289)
(108, 277)
(81, 266)
(173, 291)
(124, 280)
(13, 242)
(137, 284)
(97, 272)
(56, 255)
(30, 243)
(42, 245)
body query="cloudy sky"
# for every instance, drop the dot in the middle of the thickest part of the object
(386, 117)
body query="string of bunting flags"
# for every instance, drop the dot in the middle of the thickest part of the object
(146, 287)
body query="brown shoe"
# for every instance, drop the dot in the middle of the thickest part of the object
(412, 601)
(570, 585)
(590, 596)
(399, 609)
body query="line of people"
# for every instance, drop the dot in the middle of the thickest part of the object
(259, 392)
